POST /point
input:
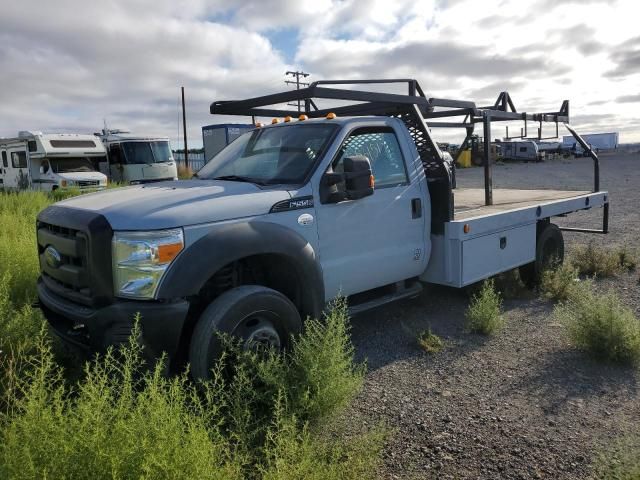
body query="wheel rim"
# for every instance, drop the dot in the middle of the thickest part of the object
(258, 331)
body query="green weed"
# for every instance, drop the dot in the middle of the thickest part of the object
(484, 314)
(601, 325)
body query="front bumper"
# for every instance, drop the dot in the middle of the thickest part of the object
(95, 329)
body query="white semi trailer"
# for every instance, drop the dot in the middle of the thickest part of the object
(137, 159)
(597, 141)
(38, 161)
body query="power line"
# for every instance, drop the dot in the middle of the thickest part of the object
(297, 74)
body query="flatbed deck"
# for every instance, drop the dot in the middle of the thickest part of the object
(469, 202)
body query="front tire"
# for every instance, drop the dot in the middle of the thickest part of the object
(549, 252)
(257, 315)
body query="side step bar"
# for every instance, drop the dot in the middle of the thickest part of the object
(605, 224)
(401, 292)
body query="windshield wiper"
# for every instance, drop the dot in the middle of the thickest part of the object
(239, 178)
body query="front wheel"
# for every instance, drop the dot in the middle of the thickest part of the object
(549, 252)
(257, 315)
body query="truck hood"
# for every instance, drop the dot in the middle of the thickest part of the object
(177, 203)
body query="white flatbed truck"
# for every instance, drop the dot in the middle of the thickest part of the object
(355, 200)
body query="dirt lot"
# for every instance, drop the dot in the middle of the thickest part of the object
(522, 404)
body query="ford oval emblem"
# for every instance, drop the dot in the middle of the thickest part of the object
(305, 219)
(52, 257)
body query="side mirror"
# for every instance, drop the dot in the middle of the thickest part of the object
(357, 180)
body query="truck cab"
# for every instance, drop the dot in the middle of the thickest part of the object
(137, 159)
(51, 161)
(284, 219)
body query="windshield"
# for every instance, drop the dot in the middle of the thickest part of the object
(72, 164)
(271, 155)
(146, 152)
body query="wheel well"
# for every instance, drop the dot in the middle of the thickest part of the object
(275, 271)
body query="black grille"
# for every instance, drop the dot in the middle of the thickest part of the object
(79, 267)
(88, 183)
(69, 277)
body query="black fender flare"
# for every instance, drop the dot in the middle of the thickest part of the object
(227, 243)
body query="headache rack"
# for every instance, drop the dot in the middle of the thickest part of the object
(417, 112)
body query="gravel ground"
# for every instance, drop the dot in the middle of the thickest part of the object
(522, 404)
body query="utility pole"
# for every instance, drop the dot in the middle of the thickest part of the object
(297, 74)
(184, 130)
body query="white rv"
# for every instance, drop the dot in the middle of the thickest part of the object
(526, 150)
(137, 159)
(51, 161)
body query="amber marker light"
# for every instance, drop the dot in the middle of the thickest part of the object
(466, 228)
(168, 252)
(274, 121)
(303, 117)
(258, 124)
(372, 181)
(331, 116)
(287, 118)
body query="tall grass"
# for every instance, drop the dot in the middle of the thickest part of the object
(262, 416)
(601, 325)
(484, 314)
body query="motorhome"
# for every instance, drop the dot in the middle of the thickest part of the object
(137, 159)
(526, 150)
(51, 161)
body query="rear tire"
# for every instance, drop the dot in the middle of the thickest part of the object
(549, 253)
(255, 314)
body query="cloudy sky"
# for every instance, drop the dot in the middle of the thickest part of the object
(66, 65)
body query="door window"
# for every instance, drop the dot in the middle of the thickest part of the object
(5, 164)
(381, 147)
(19, 159)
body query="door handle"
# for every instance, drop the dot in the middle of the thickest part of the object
(416, 208)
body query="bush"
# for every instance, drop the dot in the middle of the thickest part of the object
(559, 283)
(484, 314)
(600, 261)
(600, 325)
(261, 416)
(620, 462)
(430, 342)
(184, 173)
(627, 259)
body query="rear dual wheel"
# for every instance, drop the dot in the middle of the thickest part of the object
(549, 253)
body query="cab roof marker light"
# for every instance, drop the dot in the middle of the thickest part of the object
(303, 117)
(274, 121)
(287, 118)
(258, 124)
(331, 116)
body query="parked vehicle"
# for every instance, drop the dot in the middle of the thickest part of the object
(136, 159)
(526, 150)
(50, 161)
(216, 137)
(596, 141)
(284, 219)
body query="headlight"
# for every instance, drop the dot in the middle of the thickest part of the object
(141, 258)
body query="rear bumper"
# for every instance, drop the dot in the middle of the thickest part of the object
(95, 329)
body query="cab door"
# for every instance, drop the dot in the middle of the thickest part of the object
(379, 239)
(116, 161)
(16, 173)
(4, 165)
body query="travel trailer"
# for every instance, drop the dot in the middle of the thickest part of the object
(38, 161)
(136, 159)
(526, 150)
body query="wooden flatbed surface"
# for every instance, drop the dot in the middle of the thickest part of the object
(469, 202)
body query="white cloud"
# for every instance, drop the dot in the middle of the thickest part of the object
(66, 65)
